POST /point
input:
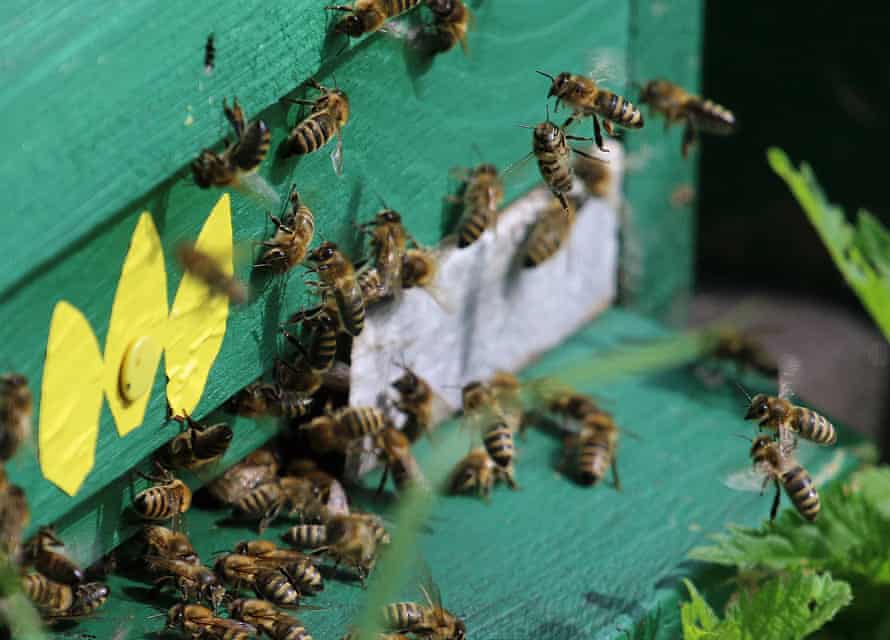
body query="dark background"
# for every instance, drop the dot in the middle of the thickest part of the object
(813, 79)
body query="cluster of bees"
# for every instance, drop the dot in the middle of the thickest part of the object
(257, 579)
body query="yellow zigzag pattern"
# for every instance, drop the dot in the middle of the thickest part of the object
(76, 373)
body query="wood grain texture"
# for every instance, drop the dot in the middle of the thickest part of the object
(97, 108)
(556, 560)
(658, 237)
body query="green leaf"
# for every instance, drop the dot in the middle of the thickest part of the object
(783, 608)
(861, 253)
(849, 538)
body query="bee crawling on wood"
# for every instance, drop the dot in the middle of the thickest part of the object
(329, 114)
(197, 446)
(168, 499)
(338, 286)
(169, 545)
(294, 232)
(388, 241)
(368, 16)
(258, 467)
(451, 23)
(429, 620)
(194, 581)
(16, 409)
(482, 197)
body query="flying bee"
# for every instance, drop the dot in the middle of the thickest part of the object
(209, 55)
(430, 620)
(194, 581)
(259, 467)
(551, 148)
(423, 407)
(475, 472)
(548, 234)
(678, 105)
(395, 449)
(586, 99)
(420, 268)
(746, 352)
(168, 499)
(52, 598)
(199, 622)
(776, 463)
(595, 175)
(293, 235)
(239, 159)
(482, 196)
(14, 515)
(196, 447)
(368, 16)
(168, 544)
(52, 564)
(451, 22)
(337, 280)
(388, 240)
(497, 438)
(329, 114)
(591, 452)
(777, 413)
(16, 409)
(507, 394)
(211, 272)
(307, 536)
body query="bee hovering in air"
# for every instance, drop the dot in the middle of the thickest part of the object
(747, 352)
(430, 620)
(14, 515)
(678, 105)
(339, 285)
(16, 409)
(395, 450)
(482, 196)
(594, 449)
(586, 99)
(329, 114)
(368, 16)
(197, 446)
(388, 241)
(423, 408)
(237, 165)
(548, 233)
(209, 55)
(293, 235)
(208, 270)
(776, 413)
(451, 22)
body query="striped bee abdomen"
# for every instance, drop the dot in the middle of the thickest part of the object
(498, 441)
(155, 504)
(260, 500)
(274, 586)
(802, 492)
(352, 310)
(396, 7)
(307, 536)
(710, 117)
(474, 222)
(619, 110)
(404, 615)
(813, 426)
(361, 421)
(311, 134)
(594, 459)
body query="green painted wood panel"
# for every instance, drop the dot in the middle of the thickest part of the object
(110, 91)
(556, 560)
(665, 42)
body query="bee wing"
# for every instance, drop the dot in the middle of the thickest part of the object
(515, 171)
(337, 154)
(428, 586)
(442, 298)
(789, 373)
(747, 479)
(359, 459)
(441, 410)
(255, 187)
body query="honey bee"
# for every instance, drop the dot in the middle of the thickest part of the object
(746, 352)
(264, 615)
(88, 598)
(595, 175)
(14, 515)
(368, 16)
(168, 544)
(354, 635)
(678, 105)
(475, 472)
(324, 323)
(483, 194)
(259, 467)
(307, 536)
(575, 406)
(50, 597)
(549, 232)
(371, 284)
(388, 240)
(777, 413)
(263, 399)
(305, 574)
(293, 235)
(328, 116)
(586, 99)
(209, 271)
(266, 501)
(196, 447)
(168, 499)
(277, 586)
(423, 407)
(354, 540)
(395, 449)
(199, 622)
(451, 23)
(348, 424)
(507, 394)
(337, 280)
(288, 628)
(591, 452)
(430, 620)
(551, 148)
(420, 268)
(237, 570)
(16, 408)
(194, 581)
(497, 438)
(329, 492)
(777, 464)
(238, 160)
(209, 55)
(52, 564)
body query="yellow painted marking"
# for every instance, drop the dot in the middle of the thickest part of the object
(139, 367)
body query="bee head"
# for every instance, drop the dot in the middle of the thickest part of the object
(14, 380)
(760, 443)
(175, 616)
(440, 7)
(560, 85)
(351, 26)
(486, 168)
(759, 408)
(547, 133)
(388, 216)
(418, 268)
(460, 630)
(324, 252)
(407, 383)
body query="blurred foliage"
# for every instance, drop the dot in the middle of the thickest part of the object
(848, 542)
(18, 617)
(861, 252)
(783, 607)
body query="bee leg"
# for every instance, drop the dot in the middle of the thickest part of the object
(615, 480)
(688, 138)
(608, 127)
(564, 202)
(597, 134)
(775, 508)
(383, 480)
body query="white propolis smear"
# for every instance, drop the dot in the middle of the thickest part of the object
(500, 315)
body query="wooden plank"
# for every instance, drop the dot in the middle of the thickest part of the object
(408, 128)
(665, 41)
(617, 557)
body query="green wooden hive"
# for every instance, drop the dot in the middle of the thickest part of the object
(104, 111)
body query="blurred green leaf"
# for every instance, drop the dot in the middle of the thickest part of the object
(785, 607)
(861, 253)
(850, 538)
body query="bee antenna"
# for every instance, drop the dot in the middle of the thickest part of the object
(526, 126)
(745, 438)
(546, 75)
(334, 78)
(743, 390)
